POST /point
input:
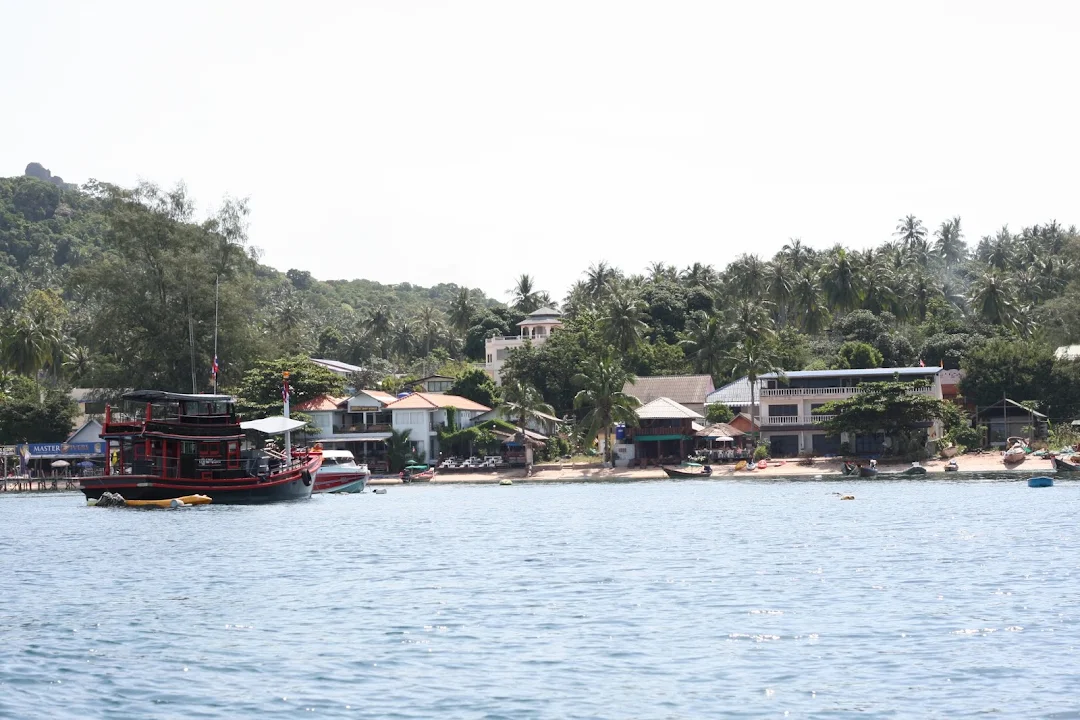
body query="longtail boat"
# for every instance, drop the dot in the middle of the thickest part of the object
(1063, 465)
(162, 445)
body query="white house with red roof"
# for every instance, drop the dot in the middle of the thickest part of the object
(424, 413)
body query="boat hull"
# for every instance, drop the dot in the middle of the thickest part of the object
(1063, 465)
(295, 484)
(342, 482)
(678, 473)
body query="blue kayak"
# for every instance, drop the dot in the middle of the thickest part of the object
(1040, 482)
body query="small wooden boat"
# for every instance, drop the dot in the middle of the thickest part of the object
(687, 470)
(762, 464)
(1014, 458)
(1063, 465)
(915, 469)
(1038, 482)
(417, 473)
(851, 468)
(951, 466)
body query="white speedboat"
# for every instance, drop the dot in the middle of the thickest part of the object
(340, 473)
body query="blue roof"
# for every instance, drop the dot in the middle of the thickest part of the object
(858, 372)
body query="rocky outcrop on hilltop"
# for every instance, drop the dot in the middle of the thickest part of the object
(40, 172)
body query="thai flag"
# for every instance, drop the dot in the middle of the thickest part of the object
(214, 368)
(285, 391)
(922, 363)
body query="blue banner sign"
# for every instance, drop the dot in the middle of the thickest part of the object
(93, 449)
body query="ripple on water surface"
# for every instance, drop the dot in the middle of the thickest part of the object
(654, 599)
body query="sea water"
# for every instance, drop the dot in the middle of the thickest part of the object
(919, 598)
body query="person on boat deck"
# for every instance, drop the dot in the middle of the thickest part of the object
(873, 463)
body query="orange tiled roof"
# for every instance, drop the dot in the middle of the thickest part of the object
(322, 402)
(433, 401)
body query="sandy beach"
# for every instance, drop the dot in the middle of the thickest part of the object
(584, 473)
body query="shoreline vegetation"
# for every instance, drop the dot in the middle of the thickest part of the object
(107, 287)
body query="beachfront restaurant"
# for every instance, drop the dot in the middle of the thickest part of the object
(665, 432)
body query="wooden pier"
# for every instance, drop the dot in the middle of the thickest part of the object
(15, 484)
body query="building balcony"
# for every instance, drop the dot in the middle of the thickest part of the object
(788, 420)
(833, 392)
(362, 428)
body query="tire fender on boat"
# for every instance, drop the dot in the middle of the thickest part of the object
(306, 477)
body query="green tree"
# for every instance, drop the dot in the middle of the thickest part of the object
(604, 402)
(857, 355)
(34, 412)
(623, 322)
(525, 404)
(399, 451)
(461, 311)
(888, 407)
(259, 394)
(476, 385)
(993, 298)
(839, 279)
(707, 344)
(1003, 367)
(525, 295)
(719, 413)
(753, 358)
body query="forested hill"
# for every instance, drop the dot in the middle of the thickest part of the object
(107, 287)
(112, 287)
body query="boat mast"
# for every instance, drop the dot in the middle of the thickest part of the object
(217, 283)
(288, 435)
(191, 341)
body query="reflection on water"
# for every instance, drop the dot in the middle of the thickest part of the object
(656, 599)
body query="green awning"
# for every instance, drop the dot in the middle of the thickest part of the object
(647, 438)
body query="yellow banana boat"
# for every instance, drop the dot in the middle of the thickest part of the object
(173, 502)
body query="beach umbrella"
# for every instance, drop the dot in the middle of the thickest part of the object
(60, 463)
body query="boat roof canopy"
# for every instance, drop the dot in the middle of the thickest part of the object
(163, 396)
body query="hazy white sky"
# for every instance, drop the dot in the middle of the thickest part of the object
(470, 141)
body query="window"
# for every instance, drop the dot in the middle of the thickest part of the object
(501, 353)
(783, 410)
(489, 359)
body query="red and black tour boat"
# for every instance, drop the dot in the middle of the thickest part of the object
(163, 445)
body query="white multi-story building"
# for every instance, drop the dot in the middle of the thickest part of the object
(787, 403)
(424, 413)
(536, 327)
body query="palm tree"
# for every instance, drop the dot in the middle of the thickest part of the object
(752, 319)
(623, 322)
(840, 281)
(606, 404)
(949, 242)
(403, 339)
(430, 327)
(461, 311)
(698, 275)
(999, 250)
(746, 274)
(399, 449)
(380, 325)
(524, 403)
(779, 286)
(598, 280)
(706, 343)
(753, 358)
(808, 300)
(796, 254)
(526, 297)
(27, 345)
(921, 290)
(909, 230)
(660, 271)
(993, 298)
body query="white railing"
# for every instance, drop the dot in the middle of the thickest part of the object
(795, 419)
(829, 391)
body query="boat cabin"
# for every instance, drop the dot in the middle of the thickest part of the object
(173, 435)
